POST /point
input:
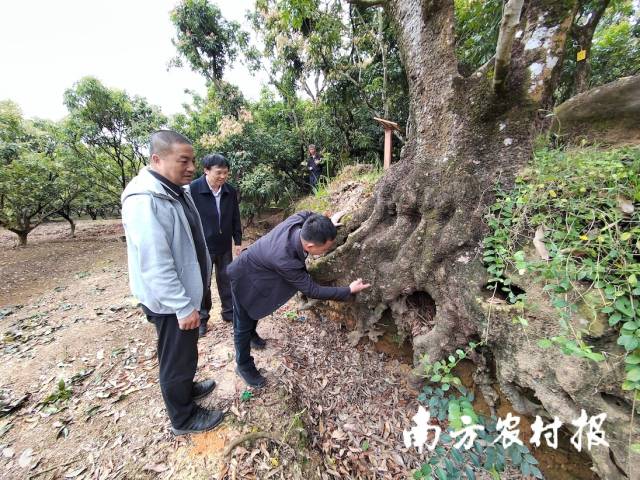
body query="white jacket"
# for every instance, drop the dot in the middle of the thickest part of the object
(164, 274)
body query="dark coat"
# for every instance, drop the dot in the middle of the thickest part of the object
(313, 163)
(268, 273)
(218, 234)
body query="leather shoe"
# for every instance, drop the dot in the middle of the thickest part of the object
(201, 420)
(258, 342)
(202, 329)
(252, 376)
(202, 389)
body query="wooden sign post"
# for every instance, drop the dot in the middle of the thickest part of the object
(389, 127)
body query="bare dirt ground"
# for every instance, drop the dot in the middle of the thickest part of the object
(79, 395)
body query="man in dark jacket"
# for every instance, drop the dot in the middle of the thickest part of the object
(217, 204)
(267, 274)
(313, 165)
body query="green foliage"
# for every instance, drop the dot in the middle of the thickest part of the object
(38, 176)
(13, 134)
(449, 406)
(304, 50)
(259, 188)
(440, 371)
(204, 38)
(346, 60)
(109, 130)
(62, 394)
(201, 120)
(477, 28)
(615, 52)
(584, 202)
(246, 396)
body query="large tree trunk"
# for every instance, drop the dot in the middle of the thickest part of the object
(423, 230)
(418, 241)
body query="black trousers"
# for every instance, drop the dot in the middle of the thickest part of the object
(314, 176)
(220, 262)
(244, 327)
(178, 359)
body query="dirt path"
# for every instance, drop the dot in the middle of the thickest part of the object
(331, 411)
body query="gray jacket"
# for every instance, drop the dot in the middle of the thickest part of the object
(164, 274)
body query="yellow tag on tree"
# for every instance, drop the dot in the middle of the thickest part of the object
(582, 54)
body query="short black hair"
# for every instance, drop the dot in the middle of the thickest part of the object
(162, 140)
(318, 229)
(215, 160)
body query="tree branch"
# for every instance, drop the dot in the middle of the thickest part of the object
(508, 25)
(373, 111)
(481, 71)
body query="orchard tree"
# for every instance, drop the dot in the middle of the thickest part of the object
(205, 39)
(110, 131)
(37, 180)
(346, 60)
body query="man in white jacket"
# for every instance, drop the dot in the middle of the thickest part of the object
(169, 268)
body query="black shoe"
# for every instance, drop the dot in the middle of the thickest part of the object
(258, 342)
(202, 329)
(201, 420)
(252, 377)
(202, 389)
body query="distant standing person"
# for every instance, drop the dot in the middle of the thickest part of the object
(169, 269)
(268, 273)
(217, 204)
(313, 165)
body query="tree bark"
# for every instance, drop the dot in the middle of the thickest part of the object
(608, 111)
(72, 224)
(510, 21)
(22, 237)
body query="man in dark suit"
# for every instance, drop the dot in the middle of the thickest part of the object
(217, 204)
(267, 274)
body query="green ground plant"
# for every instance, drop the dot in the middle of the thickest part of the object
(580, 209)
(448, 401)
